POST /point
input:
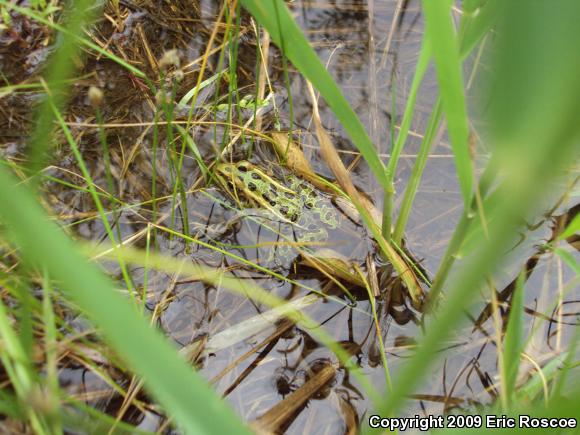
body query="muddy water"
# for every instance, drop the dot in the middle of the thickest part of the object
(351, 38)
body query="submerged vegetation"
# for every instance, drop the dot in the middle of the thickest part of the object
(253, 215)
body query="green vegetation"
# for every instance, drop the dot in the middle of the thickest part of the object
(531, 138)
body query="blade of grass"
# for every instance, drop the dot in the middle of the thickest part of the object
(420, 69)
(472, 30)
(459, 234)
(9, 406)
(441, 36)
(186, 137)
(474, 26)
(567, 365)
(561, 407)
(572, 228)
(249, 263)
(91, 186)
(331, 157)
(513, 342)
(462, 289)
(186, 397)
(378, 332)
(258, 295)
(569, 260)
(276, 18)
(190, 95)
(523, 153)
(51, 343)
(417, 172)
(18, 367)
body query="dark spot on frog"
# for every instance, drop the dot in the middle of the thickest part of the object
(270, 200)
(284, 211)
(255, 176)
(242, 168)
(293, 217)
(252, 187)
(288, 195)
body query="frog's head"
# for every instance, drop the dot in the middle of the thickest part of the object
(234, 171)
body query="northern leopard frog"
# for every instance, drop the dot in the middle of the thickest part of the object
(293, 201)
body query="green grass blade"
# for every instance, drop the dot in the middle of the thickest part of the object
(533, 389)
(513, 340)
(546, 131)
(51, 350)
(183, 393)
(9, 406)
(563, 407)
(276, 18)
(420, 70)
(188, 140)
(257, 294)
(417, 172)
(441, 35)
(569, 259)
(190, 96)
(566, 372)
(473, 29)
(475, 26)
(572, 228)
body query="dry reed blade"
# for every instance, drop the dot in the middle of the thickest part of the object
(363, 205)
(273, 421)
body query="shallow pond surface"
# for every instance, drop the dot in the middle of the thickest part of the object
(372, 57)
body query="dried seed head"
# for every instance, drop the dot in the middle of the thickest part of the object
(95, 96)
(178, 75)
(169, 58)
(162, 98)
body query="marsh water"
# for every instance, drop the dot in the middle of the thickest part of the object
(372, 56)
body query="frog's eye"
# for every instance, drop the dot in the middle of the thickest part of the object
(242, 168)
